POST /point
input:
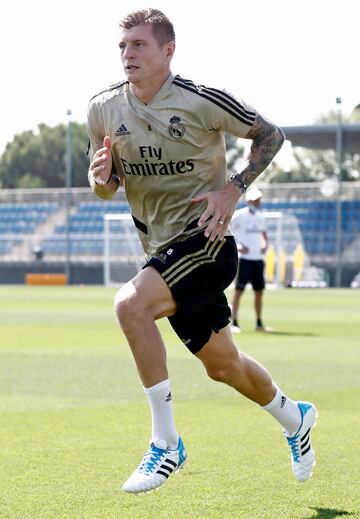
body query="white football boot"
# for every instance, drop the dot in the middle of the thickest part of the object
(157, 465)
(302, 454)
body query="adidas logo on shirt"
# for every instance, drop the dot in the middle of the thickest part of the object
(122, 130)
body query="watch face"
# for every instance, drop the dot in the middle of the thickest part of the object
(241, 184)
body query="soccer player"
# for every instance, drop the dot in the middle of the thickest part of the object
(249, 228)
(162, 137)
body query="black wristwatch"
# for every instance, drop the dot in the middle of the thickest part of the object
(238, 181)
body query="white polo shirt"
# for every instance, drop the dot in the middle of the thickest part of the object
(248, 225)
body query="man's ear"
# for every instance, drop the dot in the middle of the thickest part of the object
(170, 49)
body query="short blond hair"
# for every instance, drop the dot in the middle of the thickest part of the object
(163, 29)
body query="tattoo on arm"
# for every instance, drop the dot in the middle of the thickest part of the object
(267, 140)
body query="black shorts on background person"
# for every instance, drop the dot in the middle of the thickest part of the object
(249, 227)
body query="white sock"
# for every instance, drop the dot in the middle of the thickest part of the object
(163, 425)
(285, 411)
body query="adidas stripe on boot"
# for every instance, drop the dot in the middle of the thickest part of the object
(157, 465)
(302, 454)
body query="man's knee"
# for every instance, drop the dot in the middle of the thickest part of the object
(223, 372)
(144, 297)
(127, 304)
(223, 369)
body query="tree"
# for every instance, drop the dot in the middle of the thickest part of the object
(315, 165)
(38, 159)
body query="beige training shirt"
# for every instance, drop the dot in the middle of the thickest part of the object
(167, 151)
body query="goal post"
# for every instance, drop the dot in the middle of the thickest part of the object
(124, 257)
(273, 259)
(123, 254)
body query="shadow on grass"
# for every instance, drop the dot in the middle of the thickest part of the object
(289, 334)
(328, 513)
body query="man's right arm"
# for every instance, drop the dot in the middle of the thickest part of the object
(107, 191)
(103, 180)
(243, 249)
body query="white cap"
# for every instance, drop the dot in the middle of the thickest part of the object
(253, 194)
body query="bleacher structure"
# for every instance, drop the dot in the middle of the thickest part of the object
(38, 227)
(19, 222)
(86, 228)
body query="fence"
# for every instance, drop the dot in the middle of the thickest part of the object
(39, 229)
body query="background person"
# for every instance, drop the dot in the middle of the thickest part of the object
(249, 228)
(162, 137)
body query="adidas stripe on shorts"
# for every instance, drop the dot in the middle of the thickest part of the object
(197, 271)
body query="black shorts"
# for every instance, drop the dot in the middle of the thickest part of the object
(250, 271)
(197, 271)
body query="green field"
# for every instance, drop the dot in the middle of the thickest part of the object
(74, 421)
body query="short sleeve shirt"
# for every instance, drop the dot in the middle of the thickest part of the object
(248, 227)
(167, 151)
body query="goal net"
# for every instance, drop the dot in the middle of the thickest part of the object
(123, 254)
(286, 261)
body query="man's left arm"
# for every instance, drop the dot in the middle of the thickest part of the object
(267, 140)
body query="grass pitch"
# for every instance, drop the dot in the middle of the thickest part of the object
(74, 421)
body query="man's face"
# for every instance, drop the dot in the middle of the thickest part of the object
(142, 57)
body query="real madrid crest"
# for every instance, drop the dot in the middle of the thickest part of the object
(176, 128)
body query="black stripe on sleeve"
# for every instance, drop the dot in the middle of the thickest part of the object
(219, 98)
(109, 89)
(231, 100)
